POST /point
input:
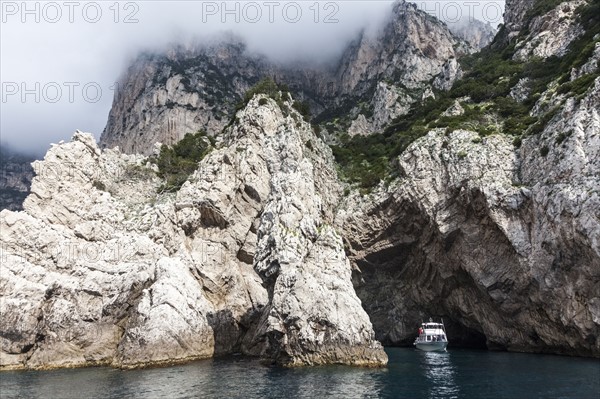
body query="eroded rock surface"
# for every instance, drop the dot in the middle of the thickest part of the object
(550, 34)
(99, 269)
(477, 33)
(503, 243)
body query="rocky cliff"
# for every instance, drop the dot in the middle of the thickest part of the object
(16, 173)
(504, 243)
(100, 269)
(196, 87)
(515, 15)
(477, 33)
(551, 33)
(162, 97)
(497, 234)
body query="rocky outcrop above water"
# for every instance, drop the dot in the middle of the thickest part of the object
(503, 242)
(100, 269)
(264, 252)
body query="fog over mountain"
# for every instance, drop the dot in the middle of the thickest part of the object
(60, 61)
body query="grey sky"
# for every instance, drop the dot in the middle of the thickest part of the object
(57, 56)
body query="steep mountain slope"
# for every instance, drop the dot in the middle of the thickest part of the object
(495, 227)
(503, 90)
(516, 14)
(243, 258)
(477, 33)
(163, 97)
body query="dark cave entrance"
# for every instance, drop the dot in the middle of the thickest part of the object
(396, 312)
(464, 337)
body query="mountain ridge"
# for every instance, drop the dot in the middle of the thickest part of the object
(196, 88)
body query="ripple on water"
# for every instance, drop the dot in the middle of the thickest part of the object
(410, 374)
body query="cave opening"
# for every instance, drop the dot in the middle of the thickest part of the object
(460, 336)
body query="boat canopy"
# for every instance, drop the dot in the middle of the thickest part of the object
(431, 328)
(432, 325)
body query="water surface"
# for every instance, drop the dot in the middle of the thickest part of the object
(410, 374)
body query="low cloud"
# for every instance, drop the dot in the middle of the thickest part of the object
(60, 60)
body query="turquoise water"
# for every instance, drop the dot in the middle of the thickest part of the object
(411, 374)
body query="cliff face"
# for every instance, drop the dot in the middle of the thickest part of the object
(15, 179)
(503, 243)
(515, 13)
(102, 270)
(477, 33)
(163, 97)
(551, 34)
(500, 241)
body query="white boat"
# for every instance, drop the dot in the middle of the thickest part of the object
(432, 337)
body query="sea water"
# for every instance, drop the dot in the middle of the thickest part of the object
(410, 374)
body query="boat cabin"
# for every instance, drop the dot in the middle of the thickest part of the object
(432, 337)
(432, 332)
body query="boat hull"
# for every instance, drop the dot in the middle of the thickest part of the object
(432, 346)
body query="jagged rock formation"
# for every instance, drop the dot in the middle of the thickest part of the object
(502, 242)
(477, 33)
(15, 179)
(514, 15)
(101, 270)
(550, 34)
(475, 219)
(451, 72)
(163, 97)
(260, 249)
(398, 66)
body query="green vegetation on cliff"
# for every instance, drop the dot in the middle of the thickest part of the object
(490, 75)
(280, 93)
(176, 163)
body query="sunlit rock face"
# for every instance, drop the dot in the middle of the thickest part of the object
(101, 269)
(264, 251)
(502, 242)
(550, 34)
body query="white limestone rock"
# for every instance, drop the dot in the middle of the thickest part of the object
(488, 233)
(100, 269)
(521, 91)
(451, 72)
(551, 34)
